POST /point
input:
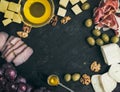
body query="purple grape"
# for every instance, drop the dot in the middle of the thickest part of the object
(1, 72)
(22, 87)
(11, 87)
(10, 74)
(20, 79)
(3, 81)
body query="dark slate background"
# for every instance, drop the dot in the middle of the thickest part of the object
(59, 50)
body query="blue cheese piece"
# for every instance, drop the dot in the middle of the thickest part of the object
(64, 3)
(61, 12)
(9, 14)
(76, 9)
(6, 22)
(83, 1)
(16, 18)
(3, 6)
(73, 2)
(14, 7)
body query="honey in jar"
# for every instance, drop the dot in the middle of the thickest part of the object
(53, 80)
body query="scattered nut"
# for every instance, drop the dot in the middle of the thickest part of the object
(67, 77)
(95, 66)
(65, 19)
(85, 79)
(22, 34)
(76, 77)
(54, 20)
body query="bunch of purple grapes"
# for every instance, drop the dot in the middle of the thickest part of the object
(11, 82)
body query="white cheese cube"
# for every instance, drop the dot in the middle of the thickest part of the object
(14, 7)
(16, 18)
(6, 22)
(76, 9)
(64, 3)
(61, 12)
(3, 6)
(73, 2)
(83, 1)
(9, 14)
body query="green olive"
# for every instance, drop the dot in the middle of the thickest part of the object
(67, 77)
(88, 23)
(85, 6)
(91, 41)
(115, 39)
(96, 32)
(76, 77)
(99, 42)
(105, 38)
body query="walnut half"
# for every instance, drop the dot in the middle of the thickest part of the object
(96, 67)
(85, 79)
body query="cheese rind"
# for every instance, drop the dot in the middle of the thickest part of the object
(14, 7)
(16, 18)
(76, 9)
(3, 6)
(73, 2)
(9, 14)
(61, 12)
(6, 22)
(83, 1)
(64, 3)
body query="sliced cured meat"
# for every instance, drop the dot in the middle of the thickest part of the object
(3, 39)
(10, 57)
(23, 56)
(17, 45)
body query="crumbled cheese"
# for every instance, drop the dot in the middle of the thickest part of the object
(3, 6)
(16, 18)
(9, 14)
(61, 12)
(73, 2)
(14, 7)
(6, 22)
(76, 9)
(64, 3)
(83, 1)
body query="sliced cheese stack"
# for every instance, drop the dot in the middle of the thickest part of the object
(10, 10)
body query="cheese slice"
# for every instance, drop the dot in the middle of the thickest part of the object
(83, 1)
(3, 6)
(9, 14)
(6, 22)
(16, 18)
(76, 9)
(73, 2)
(14, 7)
(64, 3)
(61, 12)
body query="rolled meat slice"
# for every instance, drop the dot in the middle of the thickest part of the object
(3, 39)
(16, 46)
(23, 56)
(10, 57)
(10, 45)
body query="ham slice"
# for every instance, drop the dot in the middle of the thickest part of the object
(10, 57)
(23, 56)
(3, 39)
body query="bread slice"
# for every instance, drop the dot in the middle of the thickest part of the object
(108, 83)
(114, 72)
(95, 80)
(111, 53)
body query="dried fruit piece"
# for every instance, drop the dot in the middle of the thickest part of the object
(85, 79)
(65, 19)
(95, 66)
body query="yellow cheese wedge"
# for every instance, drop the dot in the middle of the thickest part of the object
(6, 22)
(16, 18)
(3, 6)
(9, 14)
(14, 7)
(76, 9)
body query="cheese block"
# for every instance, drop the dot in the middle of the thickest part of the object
(16, 18)
(9, 14)
(6, 22)
(95, 80)
(61, 12)
(3, 6)
(76, 9)
(83, 1)
(111, 53)
(64, 3)
(14, 7)
(73, 2)
(114, 72)
(108, 83)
